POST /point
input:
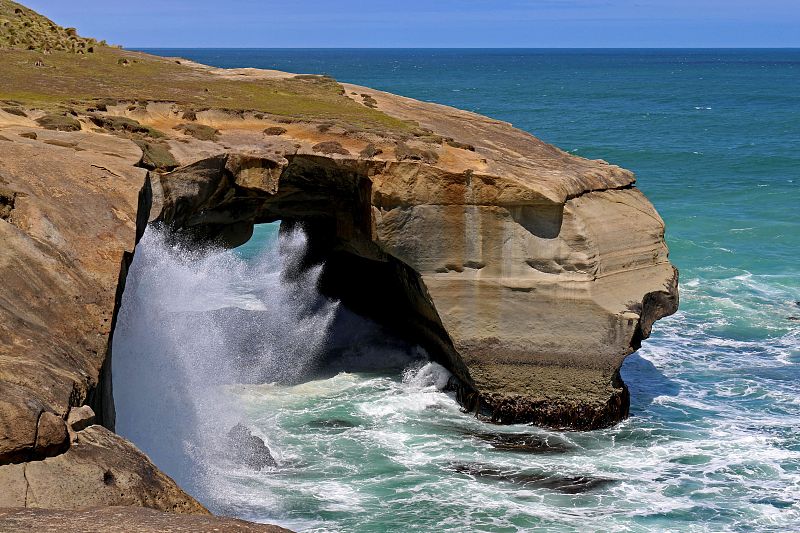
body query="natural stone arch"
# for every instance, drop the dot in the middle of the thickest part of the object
(532, 303)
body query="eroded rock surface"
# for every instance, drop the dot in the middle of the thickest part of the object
(99, 469)
(122, 520)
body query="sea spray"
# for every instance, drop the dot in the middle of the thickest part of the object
(193, 321)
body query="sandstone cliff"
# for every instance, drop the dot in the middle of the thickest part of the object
(530, 273)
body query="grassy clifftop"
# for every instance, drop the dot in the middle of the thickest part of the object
(24, 29)
(46, 66)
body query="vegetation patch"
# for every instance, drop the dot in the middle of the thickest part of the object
(7, 198)
(370, 151)
(156, 156)
(102, 105)
(15, 111)
(368, 100)
(60, 122)
(24, 29)
(125, 124)
(330, 147)
(275, 130)
(403, 152)
(457, 144)
(199, 131)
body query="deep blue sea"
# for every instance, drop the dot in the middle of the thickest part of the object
(713, 441)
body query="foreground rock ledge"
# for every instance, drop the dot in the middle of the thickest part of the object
(122, 520)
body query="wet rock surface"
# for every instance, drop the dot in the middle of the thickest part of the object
(333, 424)
(523, 443)
(555, 482)
(249, 450)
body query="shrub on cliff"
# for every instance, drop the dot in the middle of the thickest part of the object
(330, 147)
(156, 155)
(60, 122)
(199, 131)
(403, 152)
(275, 130)
(125, 124)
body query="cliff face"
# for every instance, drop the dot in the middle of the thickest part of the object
(530, 273)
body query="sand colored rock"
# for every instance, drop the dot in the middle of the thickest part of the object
(122, 520)
(99, 469)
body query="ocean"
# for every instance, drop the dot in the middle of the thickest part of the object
(713, 440)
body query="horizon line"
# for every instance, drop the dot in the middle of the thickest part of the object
(150, 47)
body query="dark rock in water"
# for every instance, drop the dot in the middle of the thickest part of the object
(793, 318)
(335, 423)
(522, 443)
(562, 484)
(248, 449)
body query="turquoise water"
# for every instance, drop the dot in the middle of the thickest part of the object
(712, 443)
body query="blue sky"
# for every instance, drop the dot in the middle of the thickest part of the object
(432, 23)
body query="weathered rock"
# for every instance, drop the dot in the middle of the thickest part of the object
(100, 469)
(523, 443)
(80, 418)
(73, 220)
(554, 482)
(122, 520)
(52, 437)
(531, 291)
(248, 449)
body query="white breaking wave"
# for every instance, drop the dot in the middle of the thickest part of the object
(193, 321)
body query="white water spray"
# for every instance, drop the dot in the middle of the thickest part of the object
(192, 322)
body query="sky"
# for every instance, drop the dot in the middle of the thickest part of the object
(432, 23)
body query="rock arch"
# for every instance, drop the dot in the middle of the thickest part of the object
(532, 303)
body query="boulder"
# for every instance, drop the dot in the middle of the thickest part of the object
(52, 437)
(80, 418)
(247, 449)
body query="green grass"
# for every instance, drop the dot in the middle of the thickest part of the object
(80, 73)
(69, 79)
(22, 29)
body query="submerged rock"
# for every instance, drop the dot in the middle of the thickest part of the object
(247, 449)
(334, 423)
(523, 443)
(562, 484)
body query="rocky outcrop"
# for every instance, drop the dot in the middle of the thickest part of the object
(531, 274)
(247, 449)
(99, 469)
(73, 224)
(528, 272)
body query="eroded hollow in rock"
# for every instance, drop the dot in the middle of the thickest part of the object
(219, 200)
